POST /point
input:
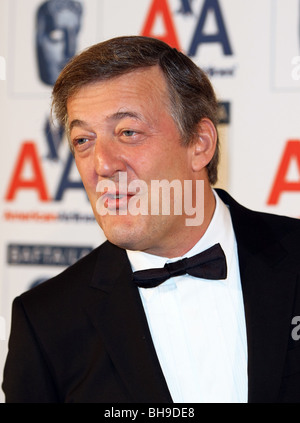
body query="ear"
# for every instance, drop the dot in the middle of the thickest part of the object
(203, 147)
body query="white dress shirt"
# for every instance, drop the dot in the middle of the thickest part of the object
(198, 325)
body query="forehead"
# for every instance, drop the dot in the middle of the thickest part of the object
(146, 86)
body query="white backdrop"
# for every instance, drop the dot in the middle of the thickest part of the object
(251, 51)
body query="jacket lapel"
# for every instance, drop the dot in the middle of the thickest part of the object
(268, 290)
(119, 318)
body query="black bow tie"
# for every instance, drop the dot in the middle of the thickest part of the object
(210, 264)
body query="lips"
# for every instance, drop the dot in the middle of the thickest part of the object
(116, 200)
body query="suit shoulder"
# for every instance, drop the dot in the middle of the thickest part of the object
(285, 222)
(62, 301)
(69, 283)
(279, 223)
(251, 216)
(258, 230)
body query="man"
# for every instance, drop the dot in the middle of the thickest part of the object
(137, 111)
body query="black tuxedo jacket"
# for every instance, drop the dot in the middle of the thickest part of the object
(83, 335)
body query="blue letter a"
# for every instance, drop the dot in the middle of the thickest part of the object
(221, 36)
(65, 182)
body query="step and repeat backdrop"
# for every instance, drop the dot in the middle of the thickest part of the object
(251, 51)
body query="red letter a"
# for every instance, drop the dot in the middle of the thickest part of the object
(28, 154)
(160, 7)
(292, 150)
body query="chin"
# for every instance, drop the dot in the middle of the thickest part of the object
(124, 242)
(124, 234)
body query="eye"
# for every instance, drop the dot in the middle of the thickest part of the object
(128, 133)
(57, 35)
(81, 144)
(81, 141)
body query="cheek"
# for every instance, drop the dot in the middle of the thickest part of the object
(87, 174)
(140, 165)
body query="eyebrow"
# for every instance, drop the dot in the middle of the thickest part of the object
(77, 122)
(115, 117)
(121, 115)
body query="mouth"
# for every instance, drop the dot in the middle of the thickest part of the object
(116, 201)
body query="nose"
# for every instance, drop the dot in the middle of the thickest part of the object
(108, 161)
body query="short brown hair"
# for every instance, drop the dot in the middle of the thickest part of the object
(191, 94)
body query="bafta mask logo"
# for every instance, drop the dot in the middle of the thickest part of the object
(58, 25)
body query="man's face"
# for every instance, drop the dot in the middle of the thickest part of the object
(123, 127)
